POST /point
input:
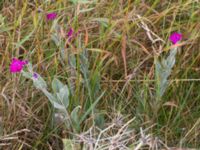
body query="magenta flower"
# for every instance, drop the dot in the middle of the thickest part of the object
(175, 37)
(71, 31)
(51, 16)
(17, 65)
(70, 34)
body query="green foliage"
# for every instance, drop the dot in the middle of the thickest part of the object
(75, 117)
(57, 85)
(60, 96)
(163, 71)
(63, 96)
(84, 81)
(54, 101)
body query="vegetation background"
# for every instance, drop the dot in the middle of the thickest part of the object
(109, 67)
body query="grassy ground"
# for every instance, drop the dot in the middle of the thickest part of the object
(109, 67)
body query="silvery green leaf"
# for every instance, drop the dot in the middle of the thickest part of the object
(27, 74)
(57, 85)
(72, 61)
(164, 69)
(39, 83)
(171, 58)
(63, 96)
(63, 53)
(74, 114)
(54, 25)
(53, 100)
(84, 64)
(72, 72)
(30, 67)
(56, 40)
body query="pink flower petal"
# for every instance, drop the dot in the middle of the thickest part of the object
(17, 65)
(175, 37)
(51, 16)
(71, 31)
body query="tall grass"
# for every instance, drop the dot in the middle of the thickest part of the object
(120, 92)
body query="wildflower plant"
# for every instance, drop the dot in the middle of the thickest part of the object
(163, 68)
(59, 98)
(78, 65)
